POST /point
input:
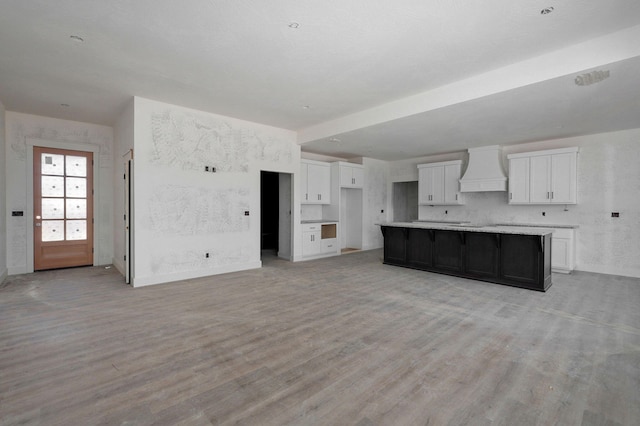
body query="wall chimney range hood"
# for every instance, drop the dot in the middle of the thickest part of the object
(484, 172)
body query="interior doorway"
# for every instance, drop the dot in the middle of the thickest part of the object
(128, 222)
(275, 214)
(63, 208)
(405, 201)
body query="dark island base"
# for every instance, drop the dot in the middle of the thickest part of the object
(510, 259)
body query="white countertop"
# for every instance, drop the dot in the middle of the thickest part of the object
(533, 230)
(540, 225)
(318, 221)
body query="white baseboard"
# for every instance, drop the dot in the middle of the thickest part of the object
(179, 276)
(609, 270)
(18, 270)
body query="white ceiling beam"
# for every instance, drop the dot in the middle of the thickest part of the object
(611, 48)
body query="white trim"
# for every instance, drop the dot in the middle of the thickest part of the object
(608, 270)
(180, 276)
(543, 152)
(72, 146)
(17, 270)
(4, 275)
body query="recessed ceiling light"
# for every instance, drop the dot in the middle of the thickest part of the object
(76, 38)
(294, 25)
(546, 10)
(335, 140)
(65, 105)
(306, 107)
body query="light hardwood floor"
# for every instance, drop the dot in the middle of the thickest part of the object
(337, 341)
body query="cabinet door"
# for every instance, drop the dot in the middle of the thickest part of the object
(519, 180)
(540, 191)
(437, 188)
(304, 182)
(358, 176)
(425, 182)
(318, 184)
(420, 248)
(311, 243)
(560, 256)
(325, 185)
(452, 184)
(563, 178)
(351, 177)
(482, 254)
(447, 250)
(520, 258)
(395, 251)
(345, 176)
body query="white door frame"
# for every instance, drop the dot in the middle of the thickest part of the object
(73, 146)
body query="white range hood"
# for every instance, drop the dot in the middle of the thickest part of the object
(484, 172)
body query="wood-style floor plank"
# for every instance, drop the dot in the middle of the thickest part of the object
(338, 341)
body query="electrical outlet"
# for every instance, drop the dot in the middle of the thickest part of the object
(615, 214)
(206, 255)
(206, 168)
(381, 211)
(213, 169)
(17, 213)
(246, 212)
(544, 213)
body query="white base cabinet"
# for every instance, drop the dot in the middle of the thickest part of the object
(563, 244)
(319, 240)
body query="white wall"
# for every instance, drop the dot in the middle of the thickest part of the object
(123, 143)
(376, 202)
(182, 212)
(608, 181)
(3, 199)
(21, 131)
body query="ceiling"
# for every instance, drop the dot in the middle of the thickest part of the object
(376, 78)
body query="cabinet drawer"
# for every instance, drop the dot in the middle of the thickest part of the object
(329, 245)
(308, 227)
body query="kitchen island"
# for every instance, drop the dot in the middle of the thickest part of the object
(515, 257)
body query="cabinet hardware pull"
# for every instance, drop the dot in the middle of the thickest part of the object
(552, 195)
(547, 195)
(511, 195)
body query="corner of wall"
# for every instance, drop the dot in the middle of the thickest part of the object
(3, 196)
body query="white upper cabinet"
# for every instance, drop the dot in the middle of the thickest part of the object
(315, 182)
(439, 183)
(351, 175)
(544, 177)
(519, 180)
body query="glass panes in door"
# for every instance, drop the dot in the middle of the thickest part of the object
(64, 196)
(63, 207)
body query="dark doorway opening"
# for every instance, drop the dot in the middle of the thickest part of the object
(269, 210)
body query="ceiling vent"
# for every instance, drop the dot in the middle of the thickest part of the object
(484, 172)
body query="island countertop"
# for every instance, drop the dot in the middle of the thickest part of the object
(471, 228)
